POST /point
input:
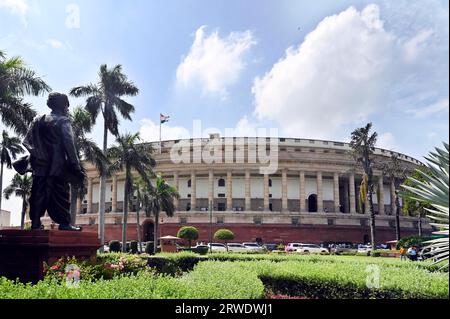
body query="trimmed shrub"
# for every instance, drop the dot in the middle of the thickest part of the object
(149, 248)
(134, 247)
(115, 246)
(189, 233)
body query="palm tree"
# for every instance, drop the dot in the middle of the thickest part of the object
(10, 147)
(161, 199)
(87, 150)
(21, 187)
(16, 80)
(433, 190)
(128, 156)
(142, 192)
(396, 174)
(105, 97)
(363, 146)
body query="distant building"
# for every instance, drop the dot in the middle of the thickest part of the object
(5, 219)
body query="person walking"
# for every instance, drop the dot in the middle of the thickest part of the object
(403, 253)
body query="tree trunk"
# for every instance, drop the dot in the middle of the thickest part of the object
(101, 208)
(138, 229)
(125, 214)
(397, 217)
(155, 233)
(1, 185)
(420, 224)
(73, 203)
(24, 211)
(372, 214)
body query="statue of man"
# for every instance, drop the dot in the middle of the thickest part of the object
(53, 158)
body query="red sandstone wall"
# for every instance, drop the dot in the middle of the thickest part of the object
(268, 232)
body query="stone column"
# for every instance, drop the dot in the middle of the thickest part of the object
(319, 193)
(114, 195)
(351, 182)
(302, 192)
(78, 206)
(336, 193)
(193, 191)
(284, 195)
(211, 187)
(266, 192)
(248, 198)
(89, 195)
(346, 198)
(229, 191)
(380, 199)
(176, 185)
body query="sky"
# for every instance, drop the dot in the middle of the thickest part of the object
(312, 69)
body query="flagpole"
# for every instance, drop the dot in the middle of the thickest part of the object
(160, 145)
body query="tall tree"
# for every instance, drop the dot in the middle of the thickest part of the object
(21, 187)
(10, 147)
(87, 150)
(396, 174)
(126, 156)
(363, 145)
(105, 97)
(162, 199)
(17, 80)
(142, 192)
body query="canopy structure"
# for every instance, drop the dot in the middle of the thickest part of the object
(169, 238)
(392, 242)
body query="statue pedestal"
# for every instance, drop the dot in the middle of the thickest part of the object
(23, 252)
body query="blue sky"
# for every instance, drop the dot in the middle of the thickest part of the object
(313, 69)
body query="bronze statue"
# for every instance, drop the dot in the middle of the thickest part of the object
(54, 162)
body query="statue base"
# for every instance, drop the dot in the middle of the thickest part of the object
(23, 252)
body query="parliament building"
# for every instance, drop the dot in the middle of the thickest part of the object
(274, 190)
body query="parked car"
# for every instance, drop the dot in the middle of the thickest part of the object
(253, 247)
(311, 249)
(291, 247)
(217, 247)
(364, 249)
(340, 248)
(237, 248)
(270, 247)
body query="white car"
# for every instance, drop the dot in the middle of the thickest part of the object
(292, 247)
(237, 248)
(253, 247)
(364, 249)
(217, 247)
(311, 249)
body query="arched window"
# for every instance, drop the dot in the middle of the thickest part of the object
(270, 182)
(189, 183)
(221, 182)
(312, 203)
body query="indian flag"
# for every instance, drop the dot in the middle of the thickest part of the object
(163, 118)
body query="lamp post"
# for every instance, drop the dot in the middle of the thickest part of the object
(210, 225)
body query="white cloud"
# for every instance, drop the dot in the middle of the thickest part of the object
(413, 46)
(440, 106)
(55, 44)
(19, 7)
(214, 63)
(349, 68)
(149, 131)
(387, 141)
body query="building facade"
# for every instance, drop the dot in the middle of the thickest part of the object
(309, 194)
